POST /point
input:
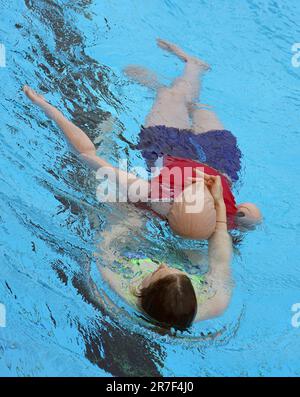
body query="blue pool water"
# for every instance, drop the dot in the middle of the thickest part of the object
(74, 52)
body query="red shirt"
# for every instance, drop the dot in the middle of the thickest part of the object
(170, 162)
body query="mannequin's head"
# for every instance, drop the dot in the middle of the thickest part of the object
(248, 216)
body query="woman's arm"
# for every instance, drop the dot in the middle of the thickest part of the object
(119, 233)
(219, 254)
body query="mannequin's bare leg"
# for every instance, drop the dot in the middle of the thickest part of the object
(171, 107)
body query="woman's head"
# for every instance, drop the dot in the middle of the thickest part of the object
(167, 295)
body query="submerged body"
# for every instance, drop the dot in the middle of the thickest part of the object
(170, 296)
(212, 289)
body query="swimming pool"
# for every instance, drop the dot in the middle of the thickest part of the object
(74, 52)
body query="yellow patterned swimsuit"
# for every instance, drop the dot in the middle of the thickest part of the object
(135, 270)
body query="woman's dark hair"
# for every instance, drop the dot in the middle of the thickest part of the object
(171, 301)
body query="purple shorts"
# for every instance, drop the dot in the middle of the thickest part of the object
(216, 148)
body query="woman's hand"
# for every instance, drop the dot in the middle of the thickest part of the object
(214, 185)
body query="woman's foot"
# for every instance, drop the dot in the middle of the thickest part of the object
(34, 96)
(174, 49)
(142, 76)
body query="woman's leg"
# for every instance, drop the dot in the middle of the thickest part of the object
(171, 107)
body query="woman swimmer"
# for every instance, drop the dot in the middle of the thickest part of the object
(168, 295)
(172, 297)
